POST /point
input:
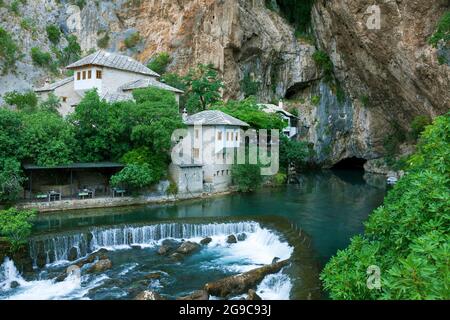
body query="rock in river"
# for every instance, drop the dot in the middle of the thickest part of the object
(231, 239)
(252, 295)
(196, 295)
(72, 255)
(100, 266)
(149, 295)
(188, 247)
(206, 241)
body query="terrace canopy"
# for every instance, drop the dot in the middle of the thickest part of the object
(68, 179)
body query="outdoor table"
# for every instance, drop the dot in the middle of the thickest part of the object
(120, 192)
(42, 197)
(86, 193)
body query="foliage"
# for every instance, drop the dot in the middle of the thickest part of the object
(11, 179)
(203, 88)
(14, 7)
(16, 226)
(53, 33)
(249, 86)
(10, 128)
(250, 112)
(315, 100)
(442, 32)
(71, 53)
(295, 153)
(142, 155)
(103, 42)
(419, 124)
(297, 12)
(134, 177)
(51, 105)
(393, 141)
(132, 40)
(279, 179)
(325, 64)
(407, 237)
(47, 139)
(26, 102)
(159, 62)
(364, 100)
(9, 51)
(174, 80)
(247, 177)
(40, 58)
(172, 189)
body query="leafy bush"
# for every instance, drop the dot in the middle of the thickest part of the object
(71, 53)
(10, 129)
(418, 125)
(142, 155)
(26, 102)
(14, 7)
(9, 51)
(295, 153)
(442, 32)
(315, 100)
(16, 226)
(159, 62)
(325, 64)
(40, 58)
(132, 40)
(173, 189)
(247, 177)
(408, 237)
(134, 177)
(174, 80)
(103, 42)
(53, 33)
(11, 180)
(249, 86)
(51, 105)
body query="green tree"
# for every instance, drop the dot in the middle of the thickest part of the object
(419, 124)
(408, 237)
(203, 88)
(71, 53)
(26, 101)
(10, 52)
(249, 86)
(174, 80)
(11, 180)
(159, 62)
(442, 32)
(295, 153)
(51, 105)
(47, 139)
(11, 127)
(158, 161)
(53, 33)
(16, 226)
(323, 61)
(134, 177)
(40, 58)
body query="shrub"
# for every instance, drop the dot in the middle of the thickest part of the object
(40, 58)
(11, 180)
(419, 124)
(71, 53)
(103, 42)
(132, 40)
(26, 102)
(293, 153)
(408, 237)
(174, 80)
(134, 177)
(51, 105)
(315, 100)
(141, 156)
(14, 7)
(173, 189)
(247, 177)
(53, 33)
(249, 86)
(159, 62)
(9, 51)
(16, 226)
(442, 32)
(325, 64)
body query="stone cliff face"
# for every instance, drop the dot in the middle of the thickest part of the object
(393, 70)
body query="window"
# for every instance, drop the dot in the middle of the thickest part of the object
(89, 74)
(219, 135)
(196, 153)
(84, 75)
(237, 136)
(196, 133)
(228, 136)
(78, 75)
(64, 99)
(222, 172)
(99, 74)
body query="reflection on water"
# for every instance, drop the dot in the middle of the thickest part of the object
(330, 207)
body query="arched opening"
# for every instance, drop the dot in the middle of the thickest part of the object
(352, 163)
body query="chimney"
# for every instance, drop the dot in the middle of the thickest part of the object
(185, 114)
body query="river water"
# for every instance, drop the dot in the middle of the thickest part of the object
(326, 208)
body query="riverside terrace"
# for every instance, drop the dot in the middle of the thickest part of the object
(72, 181)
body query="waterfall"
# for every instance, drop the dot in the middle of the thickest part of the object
(60, 248)
(9, 274)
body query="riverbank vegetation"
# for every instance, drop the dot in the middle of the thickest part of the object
(15, 226)
(408, 237)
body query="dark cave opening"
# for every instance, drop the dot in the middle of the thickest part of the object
(352, 163)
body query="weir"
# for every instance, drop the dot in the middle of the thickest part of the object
(69, 246)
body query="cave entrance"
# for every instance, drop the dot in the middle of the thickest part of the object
(352, 163)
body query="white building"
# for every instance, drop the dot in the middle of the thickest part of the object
(291, 130)
(114, 76)
(208, 152)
